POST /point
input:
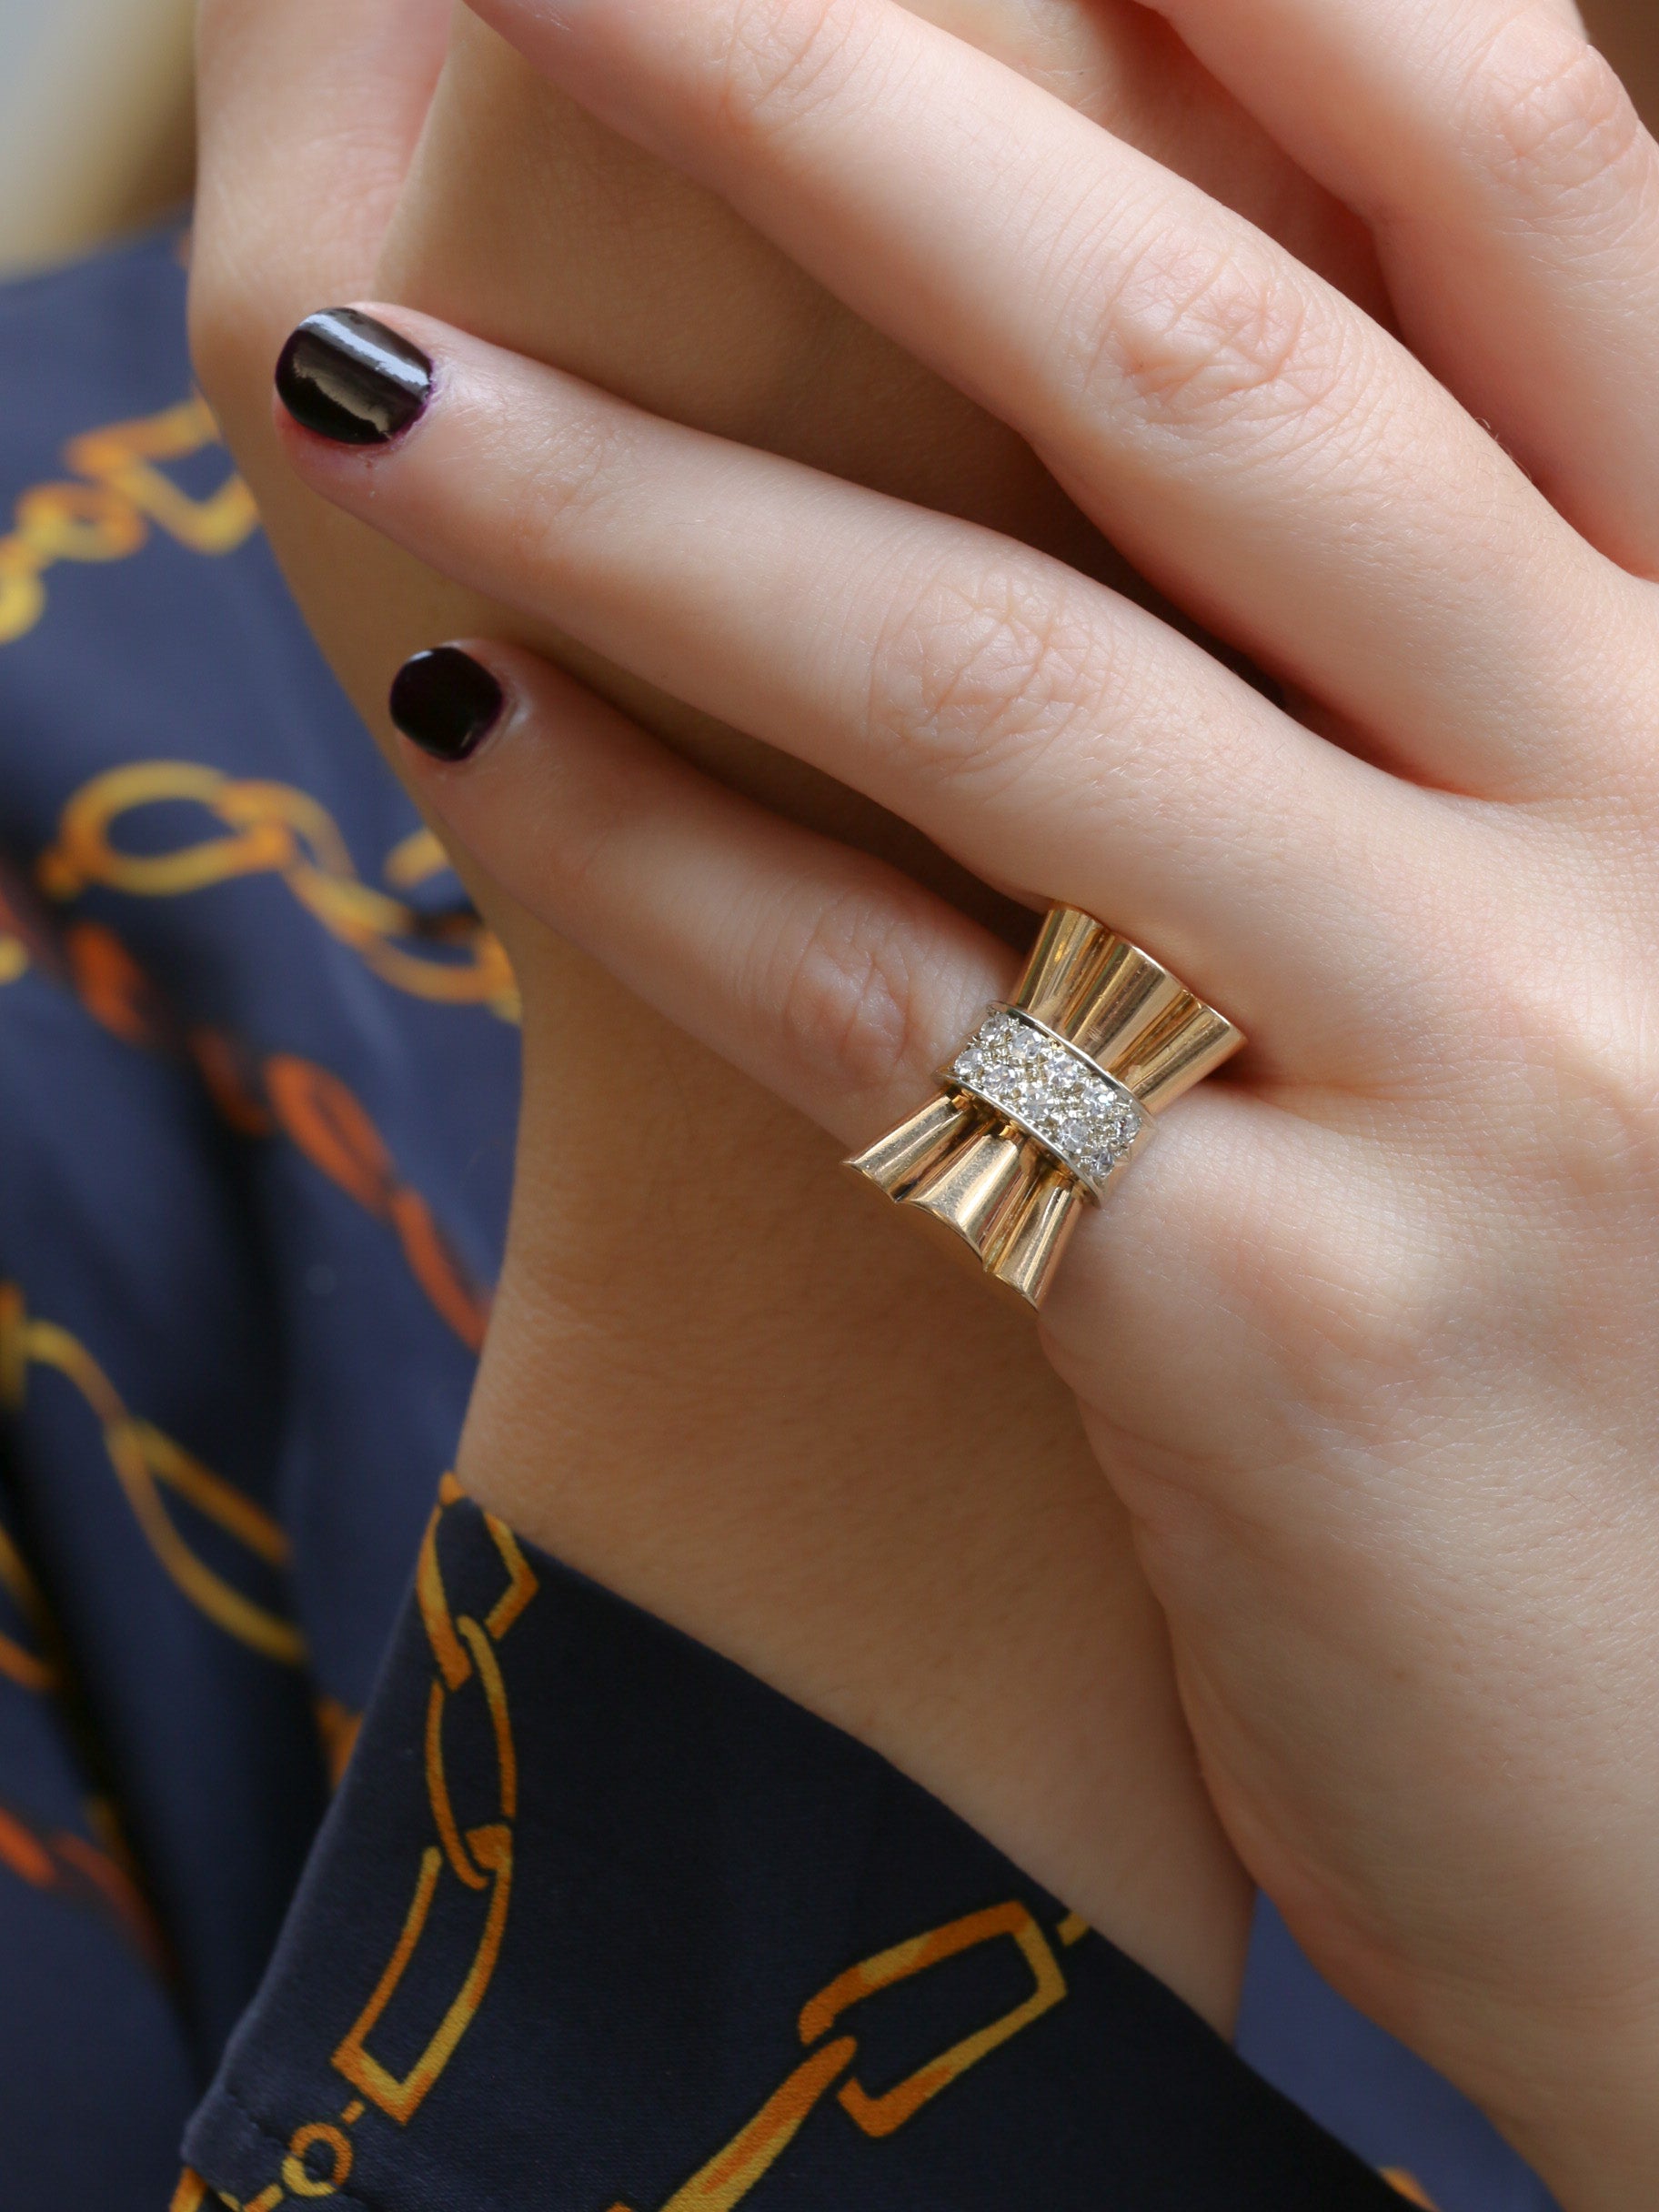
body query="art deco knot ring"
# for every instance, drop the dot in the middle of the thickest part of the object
(1049, 1098)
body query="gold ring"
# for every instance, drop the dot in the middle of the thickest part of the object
(1047, 1099)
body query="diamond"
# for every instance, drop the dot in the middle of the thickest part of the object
(1050, 1089)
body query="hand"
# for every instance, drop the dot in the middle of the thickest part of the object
(746, 1493)
(1366, 1343)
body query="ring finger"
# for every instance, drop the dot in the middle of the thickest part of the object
(1058, 740)
(819, 971)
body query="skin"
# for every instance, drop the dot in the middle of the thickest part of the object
(683, 1370)
(1365, 1346)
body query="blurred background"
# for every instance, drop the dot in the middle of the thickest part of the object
(96, 135)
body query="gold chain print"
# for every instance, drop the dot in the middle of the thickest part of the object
(120, 495)
(734, 2171)
(274, 828)
(480, 1859)
(319, 2156)
(146, 1464)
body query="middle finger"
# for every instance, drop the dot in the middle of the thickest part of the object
(1251, 440)
(1058, 740)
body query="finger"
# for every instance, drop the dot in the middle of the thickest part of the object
(1049, 734)
(822, 973)
(1254, 442)
(1515, 196)
(310, 112)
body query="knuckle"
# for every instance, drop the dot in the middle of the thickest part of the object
(1373, 1308)
(583, 830)
(847, 992)
(777, 62)
(1198, 337)
(1591, 1066)
(977, 675)
(1547, 116)
(1344, 1269)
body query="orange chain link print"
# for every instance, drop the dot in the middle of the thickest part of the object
(16, 956)
(146, 1464)
(121, 496)
(274, 828)
(317, 1112)
(329, 1125)
(284, 1093)
(321, 1115)
(1409, 2186)
(85, 1874)
(30, 1670)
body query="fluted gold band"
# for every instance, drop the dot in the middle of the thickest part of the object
(1049, 1099)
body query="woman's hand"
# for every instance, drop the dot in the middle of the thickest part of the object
(747, 1493)
(1366, 1343)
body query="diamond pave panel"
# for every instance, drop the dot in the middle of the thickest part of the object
(1052, 1091)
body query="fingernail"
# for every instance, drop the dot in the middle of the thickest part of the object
(349, 378)
(447, 702)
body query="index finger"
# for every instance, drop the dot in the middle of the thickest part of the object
(309, 111)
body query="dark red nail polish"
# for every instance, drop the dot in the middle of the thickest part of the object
(447, 702)
(345, 377)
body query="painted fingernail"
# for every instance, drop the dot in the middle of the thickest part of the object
(447, 702)
(349, 378)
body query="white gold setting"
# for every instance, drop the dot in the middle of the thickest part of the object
(1019, 1067)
